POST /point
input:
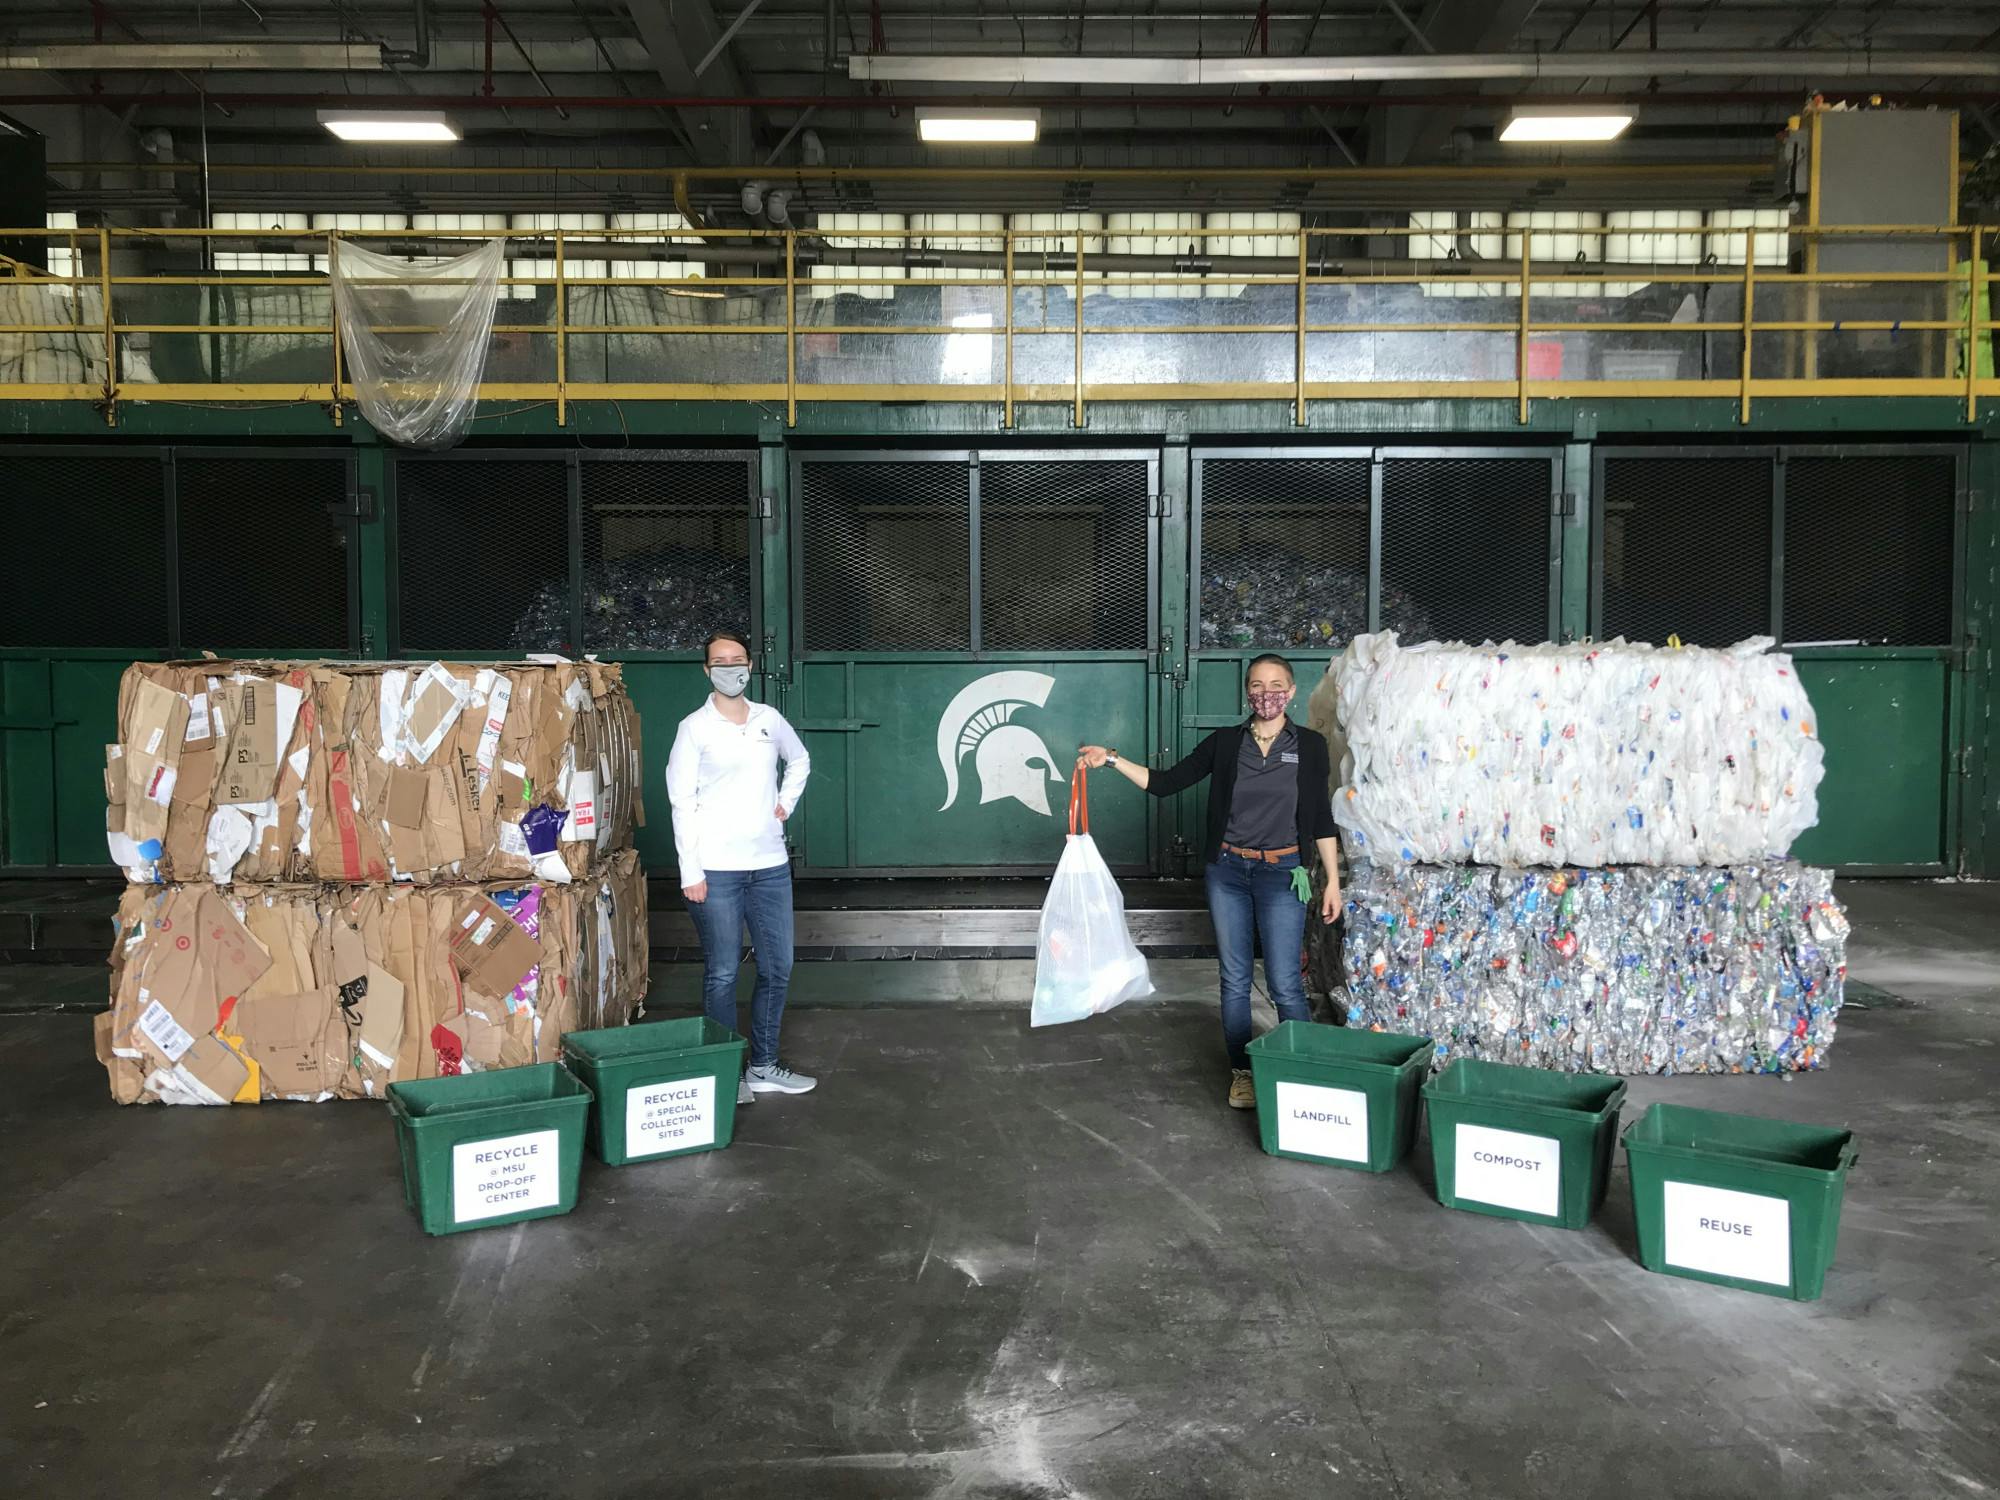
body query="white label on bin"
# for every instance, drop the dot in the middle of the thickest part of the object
(1508, 1170)
(1725, 1233)
(677, 1116)
(508, 1174)
(1323, 1122)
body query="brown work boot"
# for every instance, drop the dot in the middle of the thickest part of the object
(1242, 1092)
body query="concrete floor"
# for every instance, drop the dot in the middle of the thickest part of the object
(994, 1264)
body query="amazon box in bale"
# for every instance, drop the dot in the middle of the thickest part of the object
(241, 993)
(371, 773)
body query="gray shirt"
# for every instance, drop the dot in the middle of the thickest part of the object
(1264, 813)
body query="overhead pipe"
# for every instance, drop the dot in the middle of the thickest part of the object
(421, 56)
(1213, 72)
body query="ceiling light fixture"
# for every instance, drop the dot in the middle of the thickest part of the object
(1566, 122)
(406, 126)
(979, 127)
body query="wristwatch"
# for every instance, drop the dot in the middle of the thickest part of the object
(1111, 757)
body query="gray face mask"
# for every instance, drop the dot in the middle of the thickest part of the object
(731, 682)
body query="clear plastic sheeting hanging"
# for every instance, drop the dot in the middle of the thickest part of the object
(414, 337)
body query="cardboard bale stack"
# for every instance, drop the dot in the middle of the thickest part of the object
(346, 874)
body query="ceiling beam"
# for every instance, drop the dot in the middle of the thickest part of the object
(1458, 26)
(676, 32)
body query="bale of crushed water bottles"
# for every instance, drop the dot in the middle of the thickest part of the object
(1269, 598)
(667, 599)
(1622, 970)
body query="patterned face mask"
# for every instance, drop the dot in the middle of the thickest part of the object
(1269, 706)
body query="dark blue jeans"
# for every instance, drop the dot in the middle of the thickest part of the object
(763, 900)
(1253, 902)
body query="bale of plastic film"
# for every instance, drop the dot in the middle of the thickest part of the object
(418, 386)
(1629, 970)
(1591, 754)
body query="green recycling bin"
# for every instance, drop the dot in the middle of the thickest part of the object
(1338, 1094)
(1523, 1143)
(663, 1088)
(483, 1149)
(1737, 1200)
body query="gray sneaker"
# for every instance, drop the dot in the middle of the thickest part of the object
(778, 1079)
(743, 1093)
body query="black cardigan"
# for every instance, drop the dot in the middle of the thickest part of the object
(1216, 757)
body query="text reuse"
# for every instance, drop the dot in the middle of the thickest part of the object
(1725, 1233)
(676, 1116)
(507, 1174)
(1315, 1121)
(1508, 1169)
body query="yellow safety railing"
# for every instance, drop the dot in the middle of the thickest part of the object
(1916, 332)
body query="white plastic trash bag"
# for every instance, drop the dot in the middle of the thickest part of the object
(1085, 961)
(418, 387)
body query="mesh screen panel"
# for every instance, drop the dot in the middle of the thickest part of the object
(1284, 554)
(71, 519)
(1868, 549)
(1686, 548)
(1467, 540)
(887, 556)
(1062, 551)
(666, 552)
(481, 544)
(263, 563)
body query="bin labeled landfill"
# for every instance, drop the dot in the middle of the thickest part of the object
(480, 1150)
(1338, 1094)
(1522, 1143)
(662, 1089)
(1737, 1200)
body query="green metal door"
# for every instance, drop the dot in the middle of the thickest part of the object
(630, 554)
(964, 619)
(1297, 550)
(1851, 556)
(124, 552)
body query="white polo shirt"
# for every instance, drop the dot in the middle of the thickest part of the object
(722, 779)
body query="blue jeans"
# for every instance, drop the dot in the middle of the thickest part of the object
(1252, 901)
(763, 899)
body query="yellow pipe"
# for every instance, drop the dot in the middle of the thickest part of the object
(1007, 414)
(1521, 338)
(1749, 318)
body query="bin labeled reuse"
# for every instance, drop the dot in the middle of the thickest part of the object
(1523, 1143)
(481, 1149)
(1338, 1094)
(1737, 1200)
(663, 1088)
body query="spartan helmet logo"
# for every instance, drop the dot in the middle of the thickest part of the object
(1011, 759)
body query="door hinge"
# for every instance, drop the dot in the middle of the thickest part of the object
(1161, 505)
(1566, 504)
(359, 505)
(766, 507)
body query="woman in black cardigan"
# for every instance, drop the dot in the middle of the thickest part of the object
(1268, 809)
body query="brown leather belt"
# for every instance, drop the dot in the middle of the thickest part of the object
(1268, 856)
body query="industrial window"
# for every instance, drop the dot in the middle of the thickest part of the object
(1868, 548)
(1465, 541)
(1063, 556)
(1284, 554)
(886, 555)
(263, 552)
(666, 552)
(87, 550)
(483, 555)
(1685, 548)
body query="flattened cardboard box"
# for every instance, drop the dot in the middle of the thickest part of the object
(320, 992)
(366, 773)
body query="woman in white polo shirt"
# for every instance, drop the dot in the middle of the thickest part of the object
(729, 817)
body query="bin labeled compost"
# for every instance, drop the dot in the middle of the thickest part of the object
(1523, 1143)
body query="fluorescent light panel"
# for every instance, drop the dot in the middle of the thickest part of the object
(1562, 122)
(403, 125)
(979, 127)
